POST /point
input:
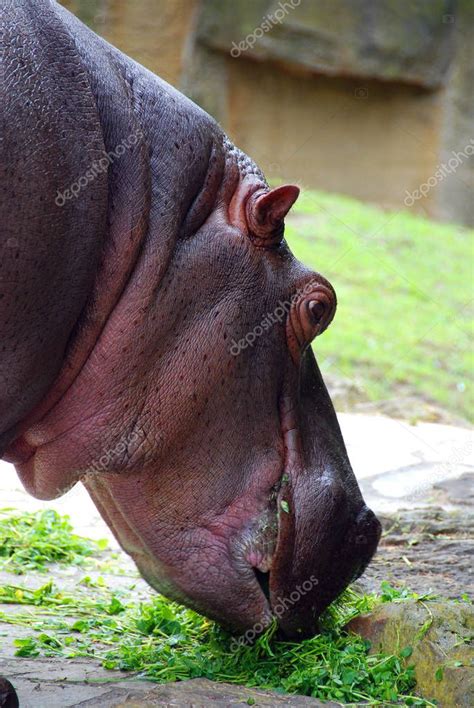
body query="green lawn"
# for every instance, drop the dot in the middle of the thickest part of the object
(405, 292)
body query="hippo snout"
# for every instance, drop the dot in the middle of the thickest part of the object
(328, 537)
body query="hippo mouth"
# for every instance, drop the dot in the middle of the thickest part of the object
(266, 541)
(298, 592)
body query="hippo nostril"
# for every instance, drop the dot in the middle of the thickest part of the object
(368, 527)
(360, 539)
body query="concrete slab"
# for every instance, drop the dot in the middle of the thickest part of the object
(399, 464)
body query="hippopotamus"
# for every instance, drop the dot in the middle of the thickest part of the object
(156, 336)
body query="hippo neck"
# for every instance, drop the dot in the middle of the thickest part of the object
(165, 160)
(168, 163)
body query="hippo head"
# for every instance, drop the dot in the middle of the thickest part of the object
(201, 426)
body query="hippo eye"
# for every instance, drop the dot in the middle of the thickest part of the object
(265, 214)
(309, 316)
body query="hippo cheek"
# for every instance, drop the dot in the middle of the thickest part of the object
(204, 565)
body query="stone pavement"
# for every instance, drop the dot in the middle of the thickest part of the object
(398, 465)
(42, 685)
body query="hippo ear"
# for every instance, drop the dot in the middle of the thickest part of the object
(266, 211)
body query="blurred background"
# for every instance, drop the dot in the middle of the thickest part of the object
(369, 107)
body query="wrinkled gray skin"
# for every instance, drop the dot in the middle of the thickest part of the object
(122, 293)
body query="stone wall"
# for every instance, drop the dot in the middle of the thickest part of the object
(351, 96)
(153, 32)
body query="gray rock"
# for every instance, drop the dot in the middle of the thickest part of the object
(381, 40)
(428, 550)
(45, 683)
(440, 635)
(200, 693)
(458, 491)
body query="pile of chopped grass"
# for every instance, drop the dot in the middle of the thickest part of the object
(30, 541)
(163, 641)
